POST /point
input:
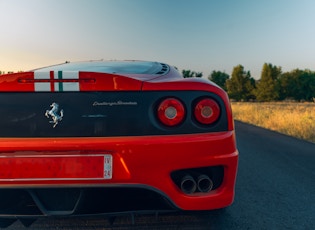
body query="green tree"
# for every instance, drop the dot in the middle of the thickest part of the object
(306, 85)
(219, 78)
(189, 73)
(198, 74)
(298, 85)
(241, 85)
(268, 87)
(288, 86)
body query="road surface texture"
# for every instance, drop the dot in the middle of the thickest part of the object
(275, 190)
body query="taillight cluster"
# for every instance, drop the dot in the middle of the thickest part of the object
(206, 111)
(172, 112)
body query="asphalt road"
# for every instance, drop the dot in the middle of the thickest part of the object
(275, 190)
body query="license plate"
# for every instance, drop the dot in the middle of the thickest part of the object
(108, 166)
(56, 167)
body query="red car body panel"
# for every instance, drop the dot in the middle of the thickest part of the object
(132, 165)
(141, 160)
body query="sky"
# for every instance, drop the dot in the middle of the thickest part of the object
(199, 35)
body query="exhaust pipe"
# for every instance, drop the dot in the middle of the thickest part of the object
(188, 184)
(204, 183)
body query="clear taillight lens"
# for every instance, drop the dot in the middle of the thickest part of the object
(171, 112)
(207, 111)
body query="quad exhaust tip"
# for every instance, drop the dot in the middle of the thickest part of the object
(204, 183)
(189, 185)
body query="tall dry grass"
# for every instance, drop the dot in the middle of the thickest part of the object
(294, 119)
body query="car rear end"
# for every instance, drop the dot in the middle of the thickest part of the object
(81, 142)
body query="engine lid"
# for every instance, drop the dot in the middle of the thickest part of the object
(62, 81)
(85, 76)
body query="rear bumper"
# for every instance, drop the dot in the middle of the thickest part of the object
(137, 162)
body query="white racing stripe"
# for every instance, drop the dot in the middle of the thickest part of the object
(66, 86)
(42, 86)
(56, 86)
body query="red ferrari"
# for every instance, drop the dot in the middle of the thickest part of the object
(114, 137)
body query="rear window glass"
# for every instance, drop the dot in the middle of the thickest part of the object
(127, 67)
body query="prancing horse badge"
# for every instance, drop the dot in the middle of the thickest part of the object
(53, 113)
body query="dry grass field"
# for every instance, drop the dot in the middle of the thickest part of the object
(294, 119)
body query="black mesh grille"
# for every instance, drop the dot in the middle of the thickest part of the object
(164, 70)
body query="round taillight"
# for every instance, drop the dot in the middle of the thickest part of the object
(207, 111)
(171, 112)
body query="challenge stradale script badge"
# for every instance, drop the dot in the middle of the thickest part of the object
(53, 114)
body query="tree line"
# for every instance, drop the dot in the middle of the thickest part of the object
(273, 85)
(9, 72)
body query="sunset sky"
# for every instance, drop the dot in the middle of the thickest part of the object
(200, 35)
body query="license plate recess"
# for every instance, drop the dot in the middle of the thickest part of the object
(56, 167)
